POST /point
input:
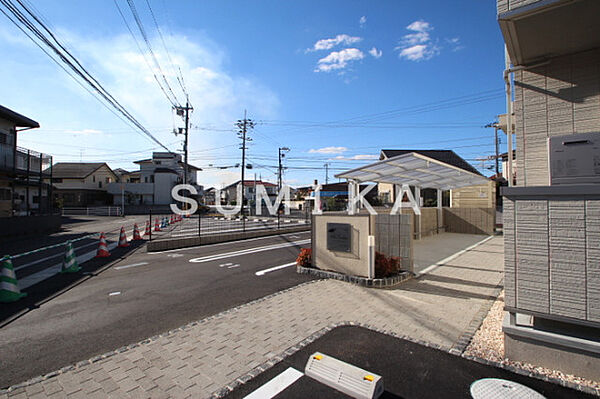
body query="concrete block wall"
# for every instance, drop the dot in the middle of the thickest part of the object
(552, 256)
(562, 97)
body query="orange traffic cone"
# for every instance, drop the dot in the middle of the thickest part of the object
(156, 225)
(147, 231)
(136, 233)
(123, 239)
(102, 248)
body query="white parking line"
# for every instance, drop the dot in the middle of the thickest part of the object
(233, 266)
(35, 278)
(53, 256)
(247, 251)
(272, 269)
(449, 258)
(276, 385)
(133, 265)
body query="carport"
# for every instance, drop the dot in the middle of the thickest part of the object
(349, 243)
(411, 169)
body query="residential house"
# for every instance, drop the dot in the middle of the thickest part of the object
(22, 171)
(480, 196)
(229, 193)
(82, 184)
(153, 182)
(552, 215)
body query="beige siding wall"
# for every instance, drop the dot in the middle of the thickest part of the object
(560, 98)
(507, 5)
(480, 196)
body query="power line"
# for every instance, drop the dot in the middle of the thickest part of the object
(140, 26)
(162, 39)
(67, 58)
(142, 52)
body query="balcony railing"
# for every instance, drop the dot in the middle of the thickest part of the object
(26, 161)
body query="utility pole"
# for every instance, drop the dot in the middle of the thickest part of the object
(279, 175)
(244, 125)
(326, 173)
(185, 113)
(495, 126)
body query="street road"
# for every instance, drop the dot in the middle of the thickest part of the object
(144, 295)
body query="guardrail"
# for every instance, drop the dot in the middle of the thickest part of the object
(93, 211)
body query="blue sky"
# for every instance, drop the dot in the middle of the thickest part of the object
(336, 81)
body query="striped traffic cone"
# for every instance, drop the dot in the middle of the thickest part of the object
(147, 231)
(123, 239)
(156, 225)
(136, 233)
(171, 221)
(167, 224)
(9, 288)
(70, 264)
(102, 248)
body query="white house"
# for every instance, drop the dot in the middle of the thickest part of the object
(152, 184)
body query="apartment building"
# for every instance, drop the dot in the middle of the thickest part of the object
(552, 214)
(23, 190)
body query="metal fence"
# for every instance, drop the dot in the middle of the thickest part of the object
(213, 224)
(93, 211)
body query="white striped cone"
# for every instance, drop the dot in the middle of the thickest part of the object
(70, 264)
(147, 231)
(156, 225)
(136, 233)
(123, 238)
(102, 248)
(9, 287)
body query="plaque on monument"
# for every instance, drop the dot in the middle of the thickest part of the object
(339, 237)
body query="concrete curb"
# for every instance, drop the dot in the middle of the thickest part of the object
(362, 281)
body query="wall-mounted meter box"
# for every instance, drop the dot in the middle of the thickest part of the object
(574, 159)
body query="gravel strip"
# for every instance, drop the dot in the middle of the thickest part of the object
(488, 343)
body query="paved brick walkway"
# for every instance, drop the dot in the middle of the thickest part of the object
(442, 307)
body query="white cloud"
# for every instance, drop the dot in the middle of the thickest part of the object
(419, 26)
(418, 46)
(327, 44)
(218, 96)
(328, 150)
(358, 157)
(362, 21)
(375, 52)
(455, 43)
(339, 59)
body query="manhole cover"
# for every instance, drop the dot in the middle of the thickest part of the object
(491, 388)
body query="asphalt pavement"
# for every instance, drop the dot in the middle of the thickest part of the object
(409, 370)
(140, 295)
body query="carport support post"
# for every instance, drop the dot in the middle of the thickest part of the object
(420, 205)
(371, 271)
(440, 213)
